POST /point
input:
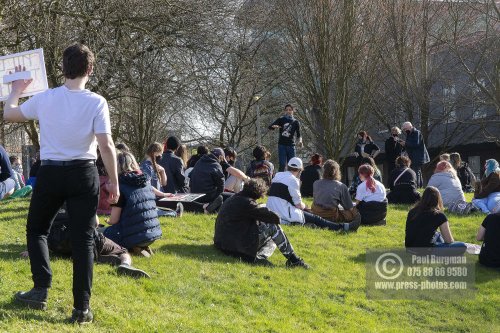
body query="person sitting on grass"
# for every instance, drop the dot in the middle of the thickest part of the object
(331, 197)
(403, 183)
(464, 173)
(446, 181)
(489, 233)
(371, 199)
(234, 177)
(7, 183)
(424, 219)
(285, 200)
(260, 167)
(311, 173)
(153, 171)
(105, 250)
(250, 231)
(134, 218)
(487, 194)
(356, 180)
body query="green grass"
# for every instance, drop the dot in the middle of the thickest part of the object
(196, 289)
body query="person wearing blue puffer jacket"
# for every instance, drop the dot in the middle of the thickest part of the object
(134, 218)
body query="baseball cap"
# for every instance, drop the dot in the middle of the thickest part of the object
(296, 162)
(218, 152)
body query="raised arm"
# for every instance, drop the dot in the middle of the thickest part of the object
(12, 111)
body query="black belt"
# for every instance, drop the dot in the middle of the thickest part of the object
(67, 163)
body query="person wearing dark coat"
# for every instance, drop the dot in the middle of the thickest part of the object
(208, 177)
(417, 152)
(464, 173)
(252, 232)
(174, 168)
(393, 148)
(311, 173)
(7, 183)
(134, 219)
(403, 183)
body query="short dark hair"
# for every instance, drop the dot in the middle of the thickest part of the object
(173, 143)
(230, 152)
(77, 61)
(403, 161)
(259, 153)
(202, 150)
(255, 188)
(289, 105)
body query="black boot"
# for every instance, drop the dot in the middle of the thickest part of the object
(295, 261)
(36, 298)
(81, 317)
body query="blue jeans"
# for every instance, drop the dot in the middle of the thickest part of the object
(321, 222)
(285, 154)
(439, 243)
(490, 204)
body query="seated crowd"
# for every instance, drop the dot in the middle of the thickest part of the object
(251, 231)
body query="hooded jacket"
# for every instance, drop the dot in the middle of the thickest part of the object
(139, 219)
(449, 187)
(207, 177)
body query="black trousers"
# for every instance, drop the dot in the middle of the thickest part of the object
(78, 186)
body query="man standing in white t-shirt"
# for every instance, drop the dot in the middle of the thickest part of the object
(73, 121)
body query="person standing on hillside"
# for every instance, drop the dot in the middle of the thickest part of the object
(288, 127)
(417, 152)
(73, 121)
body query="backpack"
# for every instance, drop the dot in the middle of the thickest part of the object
(59, 238)
(461, 207)
(261, 169)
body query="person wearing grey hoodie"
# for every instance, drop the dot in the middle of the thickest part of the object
(446, 181)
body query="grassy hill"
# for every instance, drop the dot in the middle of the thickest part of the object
(194, 288)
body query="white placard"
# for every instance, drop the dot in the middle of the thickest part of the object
(35, 64)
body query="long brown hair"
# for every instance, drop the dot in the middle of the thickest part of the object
(182, 152)
(153, 149)
(431, 201)
(331, 170)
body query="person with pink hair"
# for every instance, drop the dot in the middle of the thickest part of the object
(445, 179)
(370, 197)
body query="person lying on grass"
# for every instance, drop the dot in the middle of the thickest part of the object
(134, 218)
(424, 219)
(105, 250)
(249, 231)
(285, 200)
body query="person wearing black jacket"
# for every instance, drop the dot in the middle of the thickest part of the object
(288, 127)
(365, 147)
(464, 173)
(174, 168)
(393, 148)
(311, 173)
(416, 149)
(249, 231)
(207, 177)
(403, 183)
(7, 183)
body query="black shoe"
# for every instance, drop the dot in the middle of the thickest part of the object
(81, 317)
(179, 209)
(36, 298)
(352, 226)
(108, 259)
(128, 270)
(263, 262)
(296, 263)
(214, 205)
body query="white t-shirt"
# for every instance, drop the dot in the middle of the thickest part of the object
(285, 210)
(69, 121)
(364, 194)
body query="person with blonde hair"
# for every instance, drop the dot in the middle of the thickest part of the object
(446, 181)
(444, 157)
(153, 171)
(332, 200)
(183, 153)
(134, 218)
